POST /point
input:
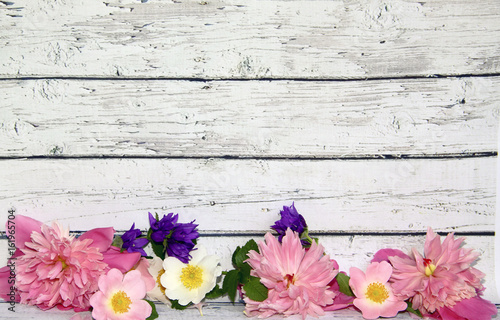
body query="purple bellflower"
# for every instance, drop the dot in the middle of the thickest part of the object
(162, 228)
(182, 240)
(132, 243)
(290, 218)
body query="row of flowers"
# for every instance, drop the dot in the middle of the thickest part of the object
(114, 277)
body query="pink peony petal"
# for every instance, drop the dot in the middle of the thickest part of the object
(446, 314)
(101, 237)
(384, 254)
(475, 308)
(5, 286)
(24, 227)
(123, 261)
(341, 301)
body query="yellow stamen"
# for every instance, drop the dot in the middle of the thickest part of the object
(64, 265)
(120, 302)
(377, 292)
(429, 269)
(192, 277)
(162, 288)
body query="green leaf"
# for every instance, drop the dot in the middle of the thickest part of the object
(255, 290)
(409, 308)
(215, 293)
(158, 249)
(245, 273)
(230, 284)
(176, 305)
(233, 257)
(241, 255)
(343, 281)
(117, 242)
(154, 313)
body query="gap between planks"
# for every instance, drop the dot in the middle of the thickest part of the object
(243, 79)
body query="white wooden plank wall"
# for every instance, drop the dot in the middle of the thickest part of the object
(378, 118)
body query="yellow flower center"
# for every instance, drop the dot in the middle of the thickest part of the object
(429, 270)
(162, 288)
(120, 302)
(377, 292)
(64, 265)
(429, 267)
(192, 276)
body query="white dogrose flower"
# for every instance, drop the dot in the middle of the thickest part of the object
(192, 281)
(156, 270)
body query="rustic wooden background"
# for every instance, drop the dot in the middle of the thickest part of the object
(378, 118)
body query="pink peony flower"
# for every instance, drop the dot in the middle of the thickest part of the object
(58, 270)
(442, 281)
(120, 297)
(374, 296)
(55, 269)
(297, 279)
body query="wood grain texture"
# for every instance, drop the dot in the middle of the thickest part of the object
(419, 117)
(225, 110)
(246, 195)
(249, 39)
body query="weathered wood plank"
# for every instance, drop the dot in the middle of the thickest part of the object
(351, 251)
(419, 117)
(246, 195)
(249, 39)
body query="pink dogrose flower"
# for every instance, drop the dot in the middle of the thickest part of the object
(374, 296)
(120, 297)
(143, 267)
(442, 280)
(297, 279)
(55, 269)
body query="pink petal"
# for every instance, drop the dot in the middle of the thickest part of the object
(432, 246)
(110, 281)
(101, 237)
(475, 308)
(24, 227)
(139, 309)
(133, 285)
(5, 286)
(123, 261)
(384, 254)
(98, 302)
(368, 309)
(341, 300)
(143, 266)
(291, 251)
(357, 281)
(447, 314)
(378, 272)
